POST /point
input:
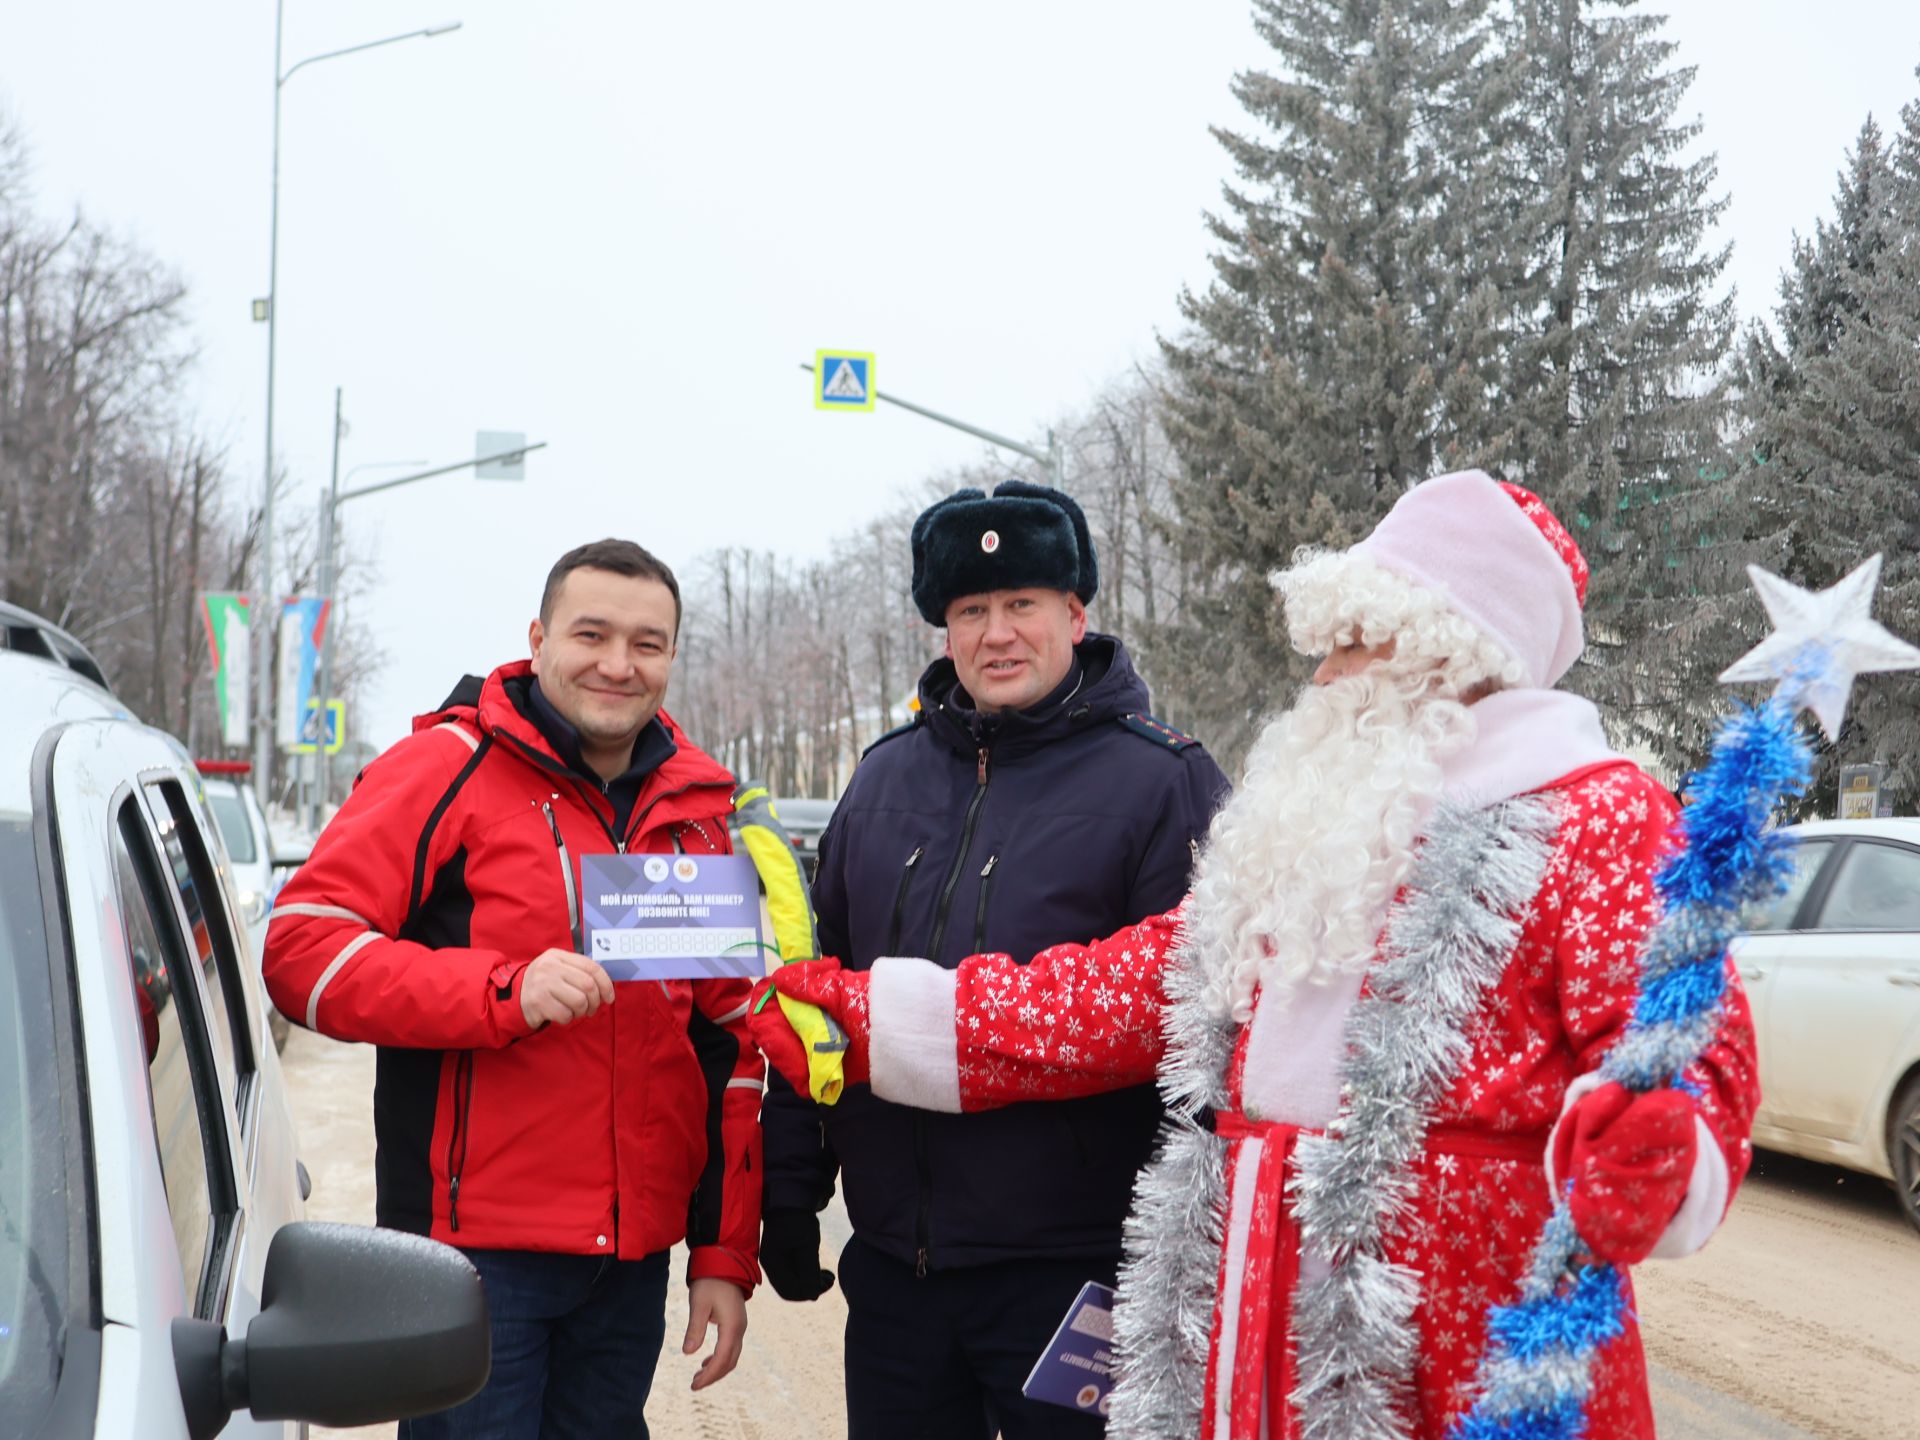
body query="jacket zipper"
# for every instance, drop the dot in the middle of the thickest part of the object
(633, 824)
(959, 859)
(566, 874)
(923, 1215)
(900, 901)
(457, 1141)
(980, 910)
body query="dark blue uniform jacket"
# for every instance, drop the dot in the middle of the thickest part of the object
(966, 834)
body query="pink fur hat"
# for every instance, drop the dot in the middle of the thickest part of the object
(1498, 557)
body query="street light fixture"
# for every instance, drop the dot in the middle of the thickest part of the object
(331, 499)
(264, 613)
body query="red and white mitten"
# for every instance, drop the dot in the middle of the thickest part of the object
(841, 993)
(1631, 1161)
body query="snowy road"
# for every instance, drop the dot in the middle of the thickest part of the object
(1801, 1320)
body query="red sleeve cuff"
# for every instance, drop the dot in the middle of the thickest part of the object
(503, 999)
(719, 1262)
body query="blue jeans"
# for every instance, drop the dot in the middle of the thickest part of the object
(575, 1340)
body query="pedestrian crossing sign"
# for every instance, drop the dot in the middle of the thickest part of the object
(842, 380)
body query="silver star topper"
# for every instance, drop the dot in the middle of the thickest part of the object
(1821, 642)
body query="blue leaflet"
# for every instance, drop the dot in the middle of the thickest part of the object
(1536, 1372)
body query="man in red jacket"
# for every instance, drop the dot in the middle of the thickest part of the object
(563, 1130)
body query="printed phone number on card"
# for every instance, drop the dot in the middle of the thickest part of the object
(672, 944)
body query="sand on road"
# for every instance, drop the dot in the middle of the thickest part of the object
(1801, 1319)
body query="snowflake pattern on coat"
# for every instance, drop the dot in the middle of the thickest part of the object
(1084, 1018)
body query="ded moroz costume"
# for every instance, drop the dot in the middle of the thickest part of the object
(1377, 1017)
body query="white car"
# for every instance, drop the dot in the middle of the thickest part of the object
(254, 863)
(156, 1277)
(1833, 973)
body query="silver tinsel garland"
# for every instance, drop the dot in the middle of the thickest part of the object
(1170, 1273)
(1447, 942)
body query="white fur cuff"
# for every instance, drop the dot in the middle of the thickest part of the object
(1706, 1202)
(913, 1047)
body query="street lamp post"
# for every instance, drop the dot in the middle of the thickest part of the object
(332, 500)
(1049, 457)
(267, 620)
(329, 587)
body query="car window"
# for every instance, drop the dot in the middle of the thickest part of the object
(1878, 888)
(212, 932)
(182, 1089)
(1808, 856)
(236, 826)
(34, 1281)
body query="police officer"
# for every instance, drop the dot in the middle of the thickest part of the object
(1031, 799)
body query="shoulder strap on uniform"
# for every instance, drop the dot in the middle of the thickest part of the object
(1158, 731)
(897, 730)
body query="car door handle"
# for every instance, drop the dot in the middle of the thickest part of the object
(1757, 972)
(1906, 977)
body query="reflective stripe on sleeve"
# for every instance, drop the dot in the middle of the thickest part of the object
(321, 912)
(352, 948)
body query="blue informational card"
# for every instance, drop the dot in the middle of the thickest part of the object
(1076, 1368)
(673, 917)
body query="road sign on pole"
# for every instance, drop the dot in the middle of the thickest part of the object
(843, 380)
(493, 465)
(314, 732)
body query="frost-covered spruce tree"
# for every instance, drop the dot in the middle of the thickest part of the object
(1344, 348)
(1835, 406)
(1612, 401)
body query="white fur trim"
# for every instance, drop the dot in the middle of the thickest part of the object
(1465, 538)
(1708, 1193)
(1524, 740)
(1246, 1187)
(1709, 1189)
(1296, 1041)
(914, 1047)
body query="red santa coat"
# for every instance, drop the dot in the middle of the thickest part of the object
(1283, 1223)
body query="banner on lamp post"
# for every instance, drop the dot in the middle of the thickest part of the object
(303, 621)
(228, 618)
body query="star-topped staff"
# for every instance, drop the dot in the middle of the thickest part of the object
(1536, 1374)
(1820, 643)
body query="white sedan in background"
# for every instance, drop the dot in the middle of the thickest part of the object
(1833, 973)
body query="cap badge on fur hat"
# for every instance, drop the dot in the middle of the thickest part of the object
(1022, 536)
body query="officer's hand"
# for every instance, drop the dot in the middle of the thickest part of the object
(722, 1304)
(790, 1254)
(560, 987)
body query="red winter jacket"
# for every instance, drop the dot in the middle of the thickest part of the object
(454, 863)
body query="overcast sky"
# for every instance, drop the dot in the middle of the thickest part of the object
(620, 228)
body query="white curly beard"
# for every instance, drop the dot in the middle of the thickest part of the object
(1301, 864)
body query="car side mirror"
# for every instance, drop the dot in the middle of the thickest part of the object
(356, 1326)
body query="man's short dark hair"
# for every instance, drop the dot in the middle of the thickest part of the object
(622, 557)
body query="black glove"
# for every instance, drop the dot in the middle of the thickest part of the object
(790, 1254)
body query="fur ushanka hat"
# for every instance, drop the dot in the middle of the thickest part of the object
(1020, 536)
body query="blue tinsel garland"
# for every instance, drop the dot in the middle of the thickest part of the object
(1537, 1371)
